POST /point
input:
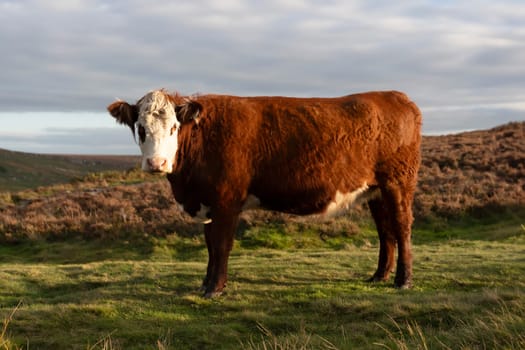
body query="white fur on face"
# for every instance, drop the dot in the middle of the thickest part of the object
(158, 136)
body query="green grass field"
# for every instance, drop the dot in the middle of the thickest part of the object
(286, 291)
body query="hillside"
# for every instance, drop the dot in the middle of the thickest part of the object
(472, 172)
(20, 170)
(476, 174)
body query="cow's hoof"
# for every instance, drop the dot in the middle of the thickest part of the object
(377, 279)
(212, 295)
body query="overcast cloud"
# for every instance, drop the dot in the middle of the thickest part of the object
(461, 61)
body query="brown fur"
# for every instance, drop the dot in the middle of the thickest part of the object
(294, 154)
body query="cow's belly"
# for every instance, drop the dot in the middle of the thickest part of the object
(312, 202)
(317, 203)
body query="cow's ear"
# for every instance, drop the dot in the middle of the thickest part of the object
(188, 111)
(124, 113)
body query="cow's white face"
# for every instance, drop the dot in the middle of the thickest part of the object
(157, 129)
(157, 120)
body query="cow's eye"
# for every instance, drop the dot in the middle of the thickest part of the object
(162, 112)
(142, 134)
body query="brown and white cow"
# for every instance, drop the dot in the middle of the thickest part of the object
(295, 155)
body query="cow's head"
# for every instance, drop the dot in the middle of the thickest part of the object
(156, 118)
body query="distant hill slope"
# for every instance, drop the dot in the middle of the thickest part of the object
(478, 174)
(458, 171)
(469, 171)
(19, 171)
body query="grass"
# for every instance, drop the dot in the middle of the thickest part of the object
(142, 294)
(106, 261)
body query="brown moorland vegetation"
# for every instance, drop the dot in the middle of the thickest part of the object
(468, 174)
(472, 173)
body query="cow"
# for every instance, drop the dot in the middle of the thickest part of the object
(224, 154)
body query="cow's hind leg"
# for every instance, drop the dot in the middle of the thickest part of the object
(397, 180)
(219, 239)
(387, 240)
(400, 206)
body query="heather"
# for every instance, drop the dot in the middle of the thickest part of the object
(469, 175)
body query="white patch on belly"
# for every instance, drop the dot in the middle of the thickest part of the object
(344, 201)
(251, 202)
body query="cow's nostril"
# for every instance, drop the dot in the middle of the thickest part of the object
(157, 163)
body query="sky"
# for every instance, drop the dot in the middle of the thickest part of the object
(63, 61)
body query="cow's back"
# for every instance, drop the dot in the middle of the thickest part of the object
(295, 153)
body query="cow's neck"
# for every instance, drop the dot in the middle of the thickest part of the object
(189, 150)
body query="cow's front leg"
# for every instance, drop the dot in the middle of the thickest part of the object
(211, 258)
(219, 239)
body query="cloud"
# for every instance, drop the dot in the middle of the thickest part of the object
(453, 120)
(72, 141)
(79, 55)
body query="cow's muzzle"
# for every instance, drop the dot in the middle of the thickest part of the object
(158, 165)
